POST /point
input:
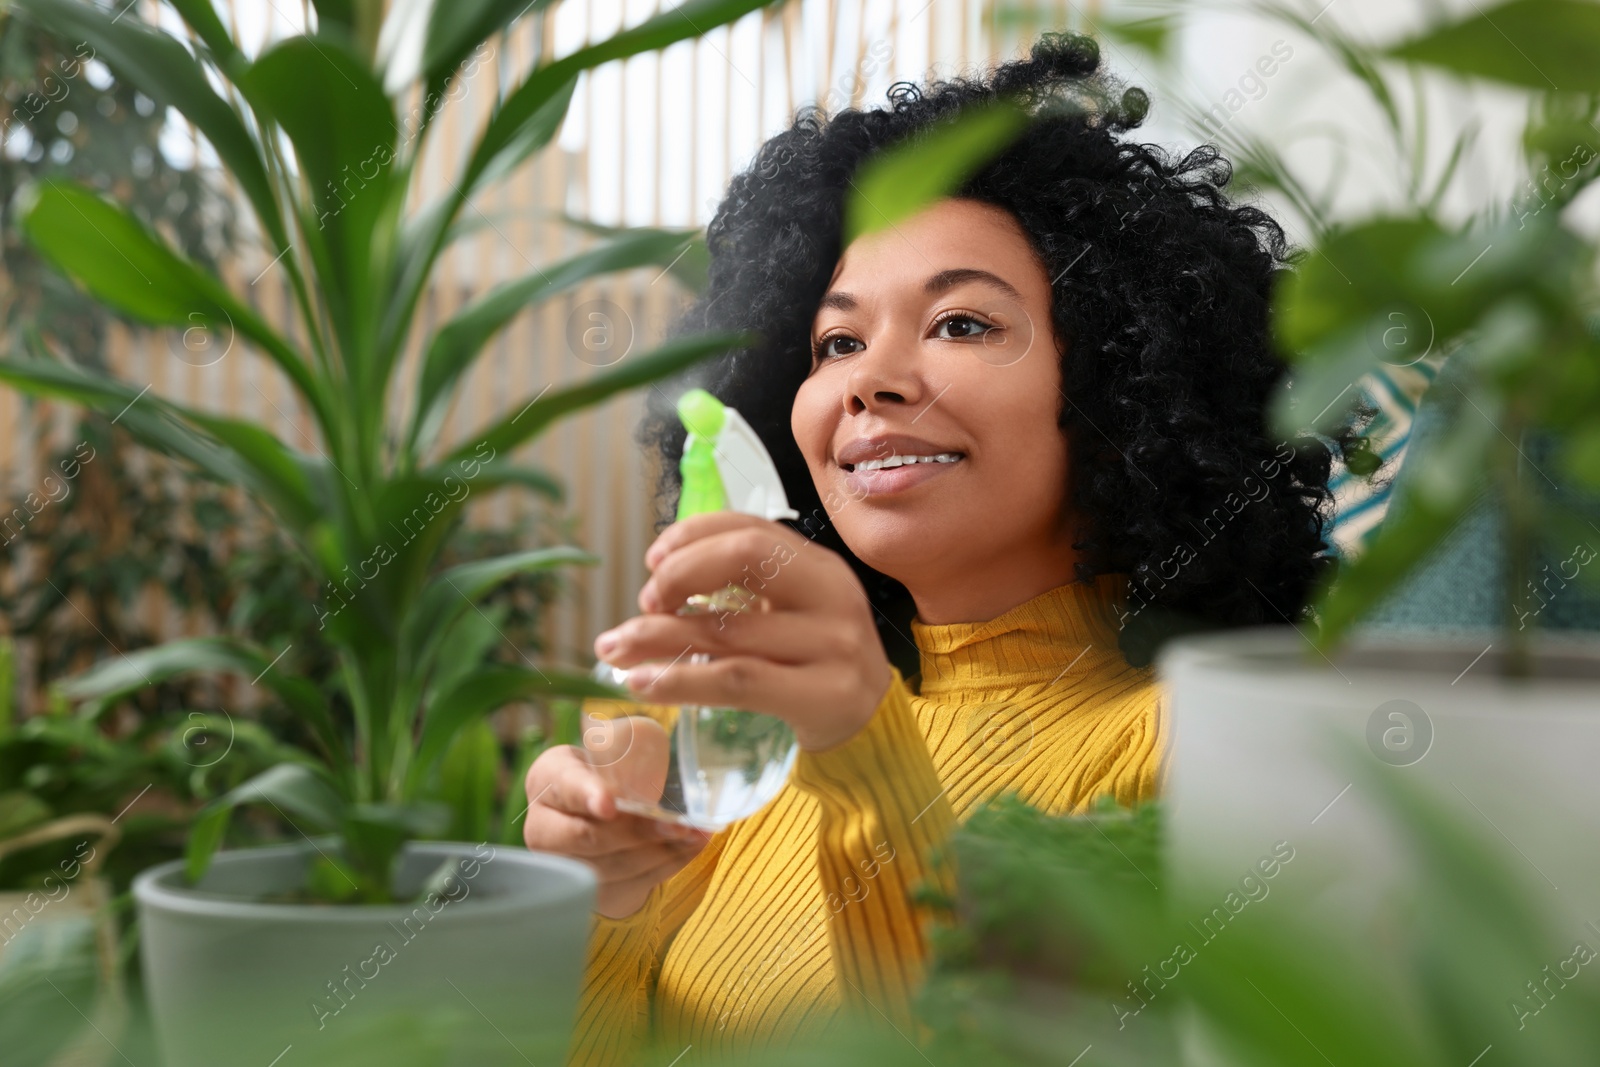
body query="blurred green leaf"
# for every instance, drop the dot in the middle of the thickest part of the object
(117, 259)
(535, 415)
(344, 133)
(468, 776)
(48, 988)
(164, 71)
(459, 343)
(292, 789)
(490, 688)
(903, 180)
(114, 678)
(1537, 44)
(456, 27)
(1355, 273)
(459, 589)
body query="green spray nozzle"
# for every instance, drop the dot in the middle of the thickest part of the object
(703, 416)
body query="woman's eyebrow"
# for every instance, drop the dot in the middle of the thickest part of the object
(936, 284)
(949, 279)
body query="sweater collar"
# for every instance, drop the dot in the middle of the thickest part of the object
(1036, 641)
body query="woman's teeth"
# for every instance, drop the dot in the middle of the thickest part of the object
(897, 461)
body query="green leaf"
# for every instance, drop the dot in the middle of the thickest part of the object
(491, 688)
(118, 260)
(455, 591)
(202, 19)
(507, 140)
(344, 133)
(536, 414)
(525, 122)
(492, 476)
(457, 27)
(49, 985)
(1355, 273)
(1537, 44)
(463, 648)
(376, 834)
(1321, 390)
(424, 236)
(903, 180)
(340, 13)
(690, 265)
(468, 774)
(160, 67)
(514, 810)
(1154, 34)
(112, 679)
(241, 451)
(332, 880)
(459, 343)
(292, 789)
(1581, 455)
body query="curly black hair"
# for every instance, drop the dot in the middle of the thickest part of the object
(1160, 292)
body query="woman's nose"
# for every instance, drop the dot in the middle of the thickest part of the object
(883, 374)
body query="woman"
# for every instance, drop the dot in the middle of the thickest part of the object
(1024, 431)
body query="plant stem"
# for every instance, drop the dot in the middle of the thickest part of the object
(1518, 529)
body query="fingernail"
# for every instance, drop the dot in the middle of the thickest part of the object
(641, 677)
(606, 643)
(594, 804)
(669, 829)
(648, 598)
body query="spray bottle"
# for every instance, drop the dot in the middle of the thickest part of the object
(721, 764)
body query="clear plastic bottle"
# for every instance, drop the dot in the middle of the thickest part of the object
(703, 766)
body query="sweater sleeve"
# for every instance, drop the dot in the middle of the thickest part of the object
(883, 815)
(624, 955)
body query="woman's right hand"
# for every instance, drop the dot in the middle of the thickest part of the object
(572, 813)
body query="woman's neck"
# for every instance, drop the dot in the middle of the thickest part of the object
(974, 595)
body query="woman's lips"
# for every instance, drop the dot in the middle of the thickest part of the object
(895, 479)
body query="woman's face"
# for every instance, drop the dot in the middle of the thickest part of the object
(935, 338)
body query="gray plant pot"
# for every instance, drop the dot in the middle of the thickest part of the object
(487, 974)
(1276, 752)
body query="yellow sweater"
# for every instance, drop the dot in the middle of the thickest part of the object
(801, 912)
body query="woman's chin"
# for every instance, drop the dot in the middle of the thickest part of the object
(901, 548)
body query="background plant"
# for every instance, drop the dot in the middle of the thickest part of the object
(371, 506)
(1509, 295)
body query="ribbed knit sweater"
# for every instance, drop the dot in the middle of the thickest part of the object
(803, 910)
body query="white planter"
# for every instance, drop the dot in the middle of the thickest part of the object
(493, 966)
(1262, 733)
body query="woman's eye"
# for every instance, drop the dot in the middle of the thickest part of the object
(828, 347)
(958, 327)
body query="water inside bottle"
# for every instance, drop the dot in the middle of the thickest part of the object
(702, 766)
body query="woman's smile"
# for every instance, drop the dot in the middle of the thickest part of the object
(890, 463)
(908, 472)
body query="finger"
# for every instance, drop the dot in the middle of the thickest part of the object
(693, 528)
(574, 835)
(780, 636)
(765, 561)
(747, 682)
(627, 864)
(569, 784)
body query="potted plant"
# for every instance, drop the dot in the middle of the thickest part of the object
(248, 953)
(1499, 725)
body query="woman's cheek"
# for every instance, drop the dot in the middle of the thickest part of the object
(811, 431)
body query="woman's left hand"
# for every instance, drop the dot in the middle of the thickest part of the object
(806, 652)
